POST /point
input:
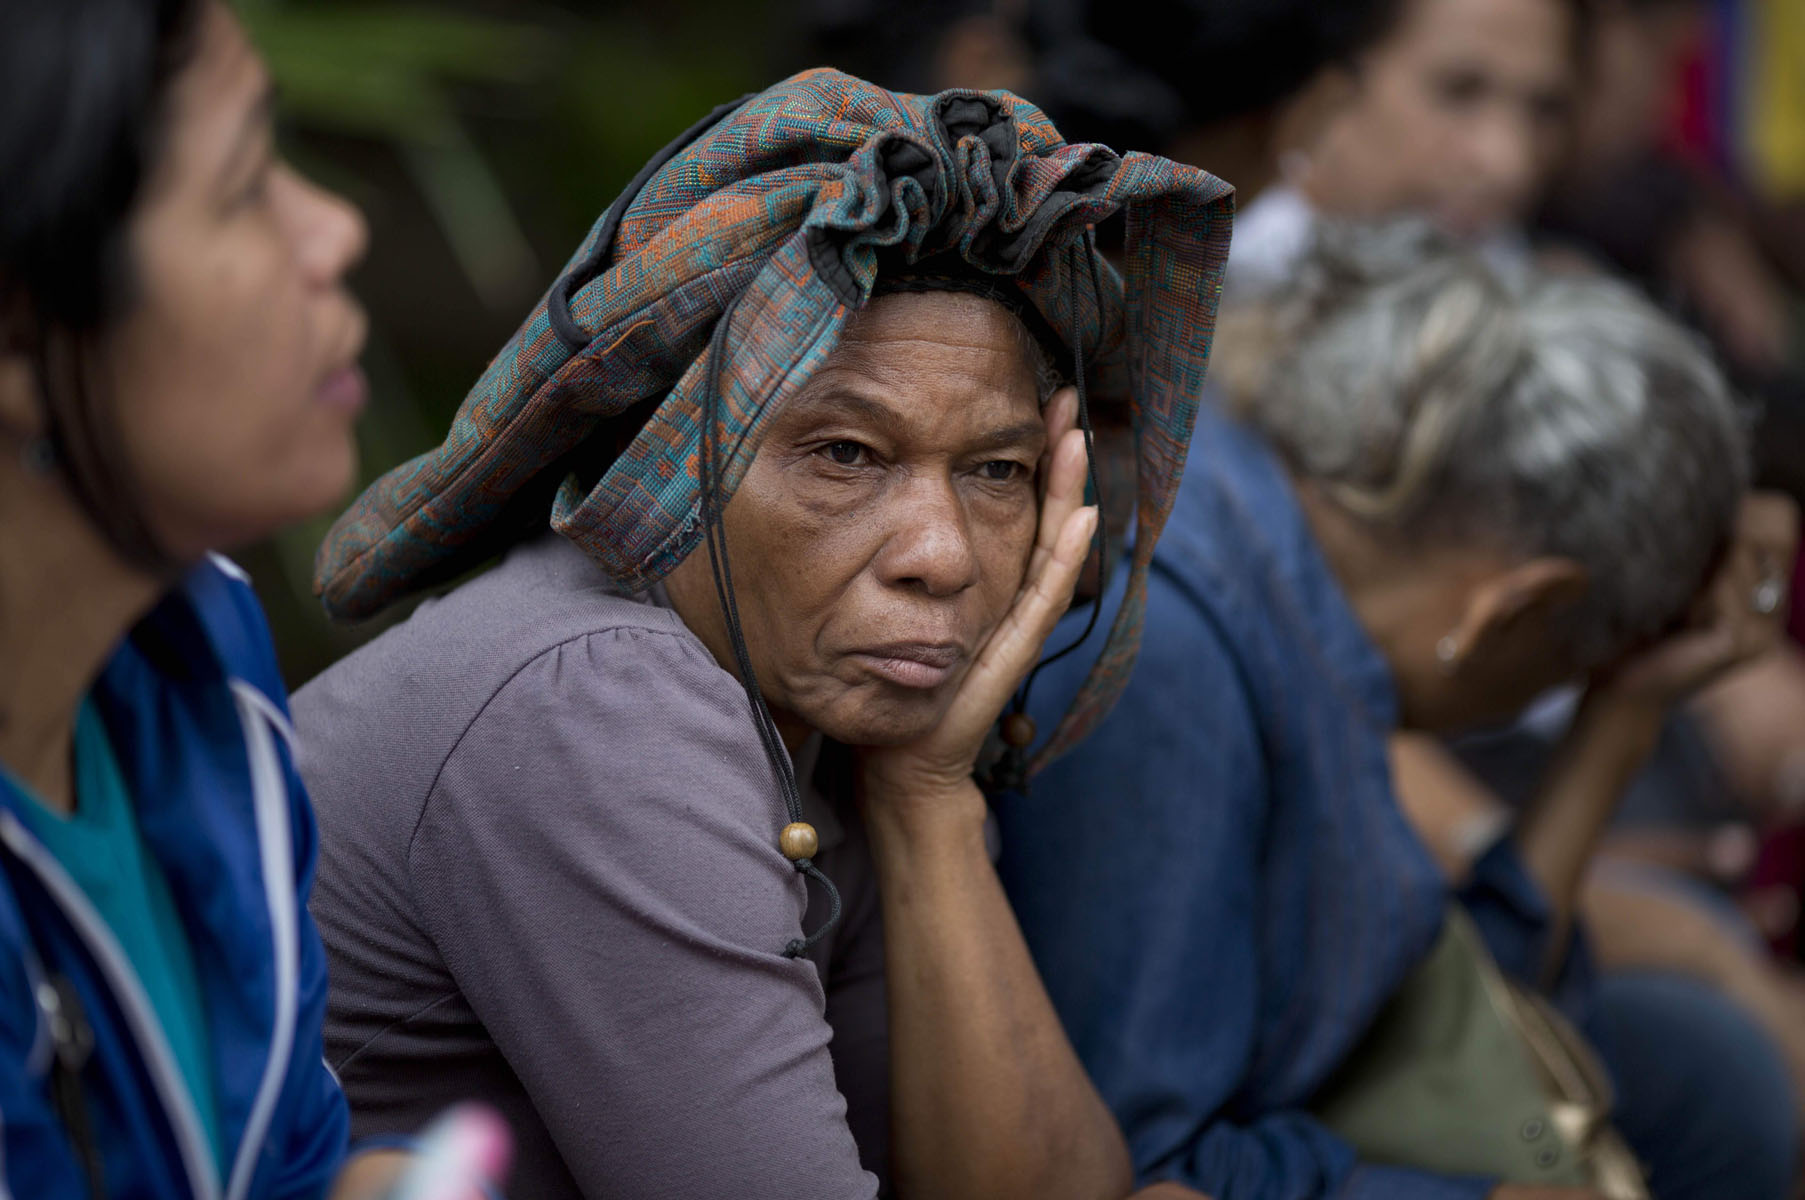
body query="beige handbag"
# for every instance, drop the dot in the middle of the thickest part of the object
(1465, 1073)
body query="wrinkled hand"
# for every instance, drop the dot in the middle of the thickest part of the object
(942, 761)
(1725, 629)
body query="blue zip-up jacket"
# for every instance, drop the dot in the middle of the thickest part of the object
(1218, 885)
(196, 711)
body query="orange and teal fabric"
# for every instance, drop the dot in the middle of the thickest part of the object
(775, 216)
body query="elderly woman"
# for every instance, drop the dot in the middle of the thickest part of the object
(662, 834)
(1462, 111)
(1449, 495)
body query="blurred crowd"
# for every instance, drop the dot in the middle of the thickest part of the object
(1083, 598)
(1655, 141)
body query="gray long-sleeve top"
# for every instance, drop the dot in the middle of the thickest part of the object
(549, 878)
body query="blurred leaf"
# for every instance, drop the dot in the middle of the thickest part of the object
(386, 72)
(473, 211)
(482, 138)
(383, 70)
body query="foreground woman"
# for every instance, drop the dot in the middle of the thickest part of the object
(1453, 495)
(177, 374)
(814, 502)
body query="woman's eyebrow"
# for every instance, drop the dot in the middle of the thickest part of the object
(838, 402)
(1020, 434)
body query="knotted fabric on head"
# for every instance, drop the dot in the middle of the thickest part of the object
(776, 214)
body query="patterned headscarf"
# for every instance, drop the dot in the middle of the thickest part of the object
(774, 214)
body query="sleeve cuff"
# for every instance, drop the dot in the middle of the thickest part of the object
(1507, 904)
(1514, 917)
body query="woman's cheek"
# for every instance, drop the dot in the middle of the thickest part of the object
(325, 471)
(1007, 539)
(819, 493)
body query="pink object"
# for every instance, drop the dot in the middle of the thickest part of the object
(461, 1154)
(1795, 616)
(1780, 867)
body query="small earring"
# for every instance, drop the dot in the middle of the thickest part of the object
(39, 455)
(1447, 653)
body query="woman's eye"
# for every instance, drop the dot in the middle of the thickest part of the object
(256, 189)
(844, 454)
(1461, 89)
(1001, 470)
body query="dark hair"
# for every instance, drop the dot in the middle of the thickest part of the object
(893, 45)
(1137, 73)
(83, 103)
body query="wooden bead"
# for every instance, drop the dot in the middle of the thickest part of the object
(1018, 730)
(799, 841)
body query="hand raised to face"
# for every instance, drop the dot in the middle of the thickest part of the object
(941, 761)
(881, 536)
(1740, 615)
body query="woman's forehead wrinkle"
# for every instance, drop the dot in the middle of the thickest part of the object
(827, 399)
(902, 351)
(945, 321)
(918, 403)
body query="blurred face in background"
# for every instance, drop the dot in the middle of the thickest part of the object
(1460, 114)
(236, 368)
(1634, 57)
(218, 402)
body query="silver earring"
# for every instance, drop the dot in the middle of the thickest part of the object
(39, 455)
(1447, 653)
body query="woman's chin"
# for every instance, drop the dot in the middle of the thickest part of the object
(884, 722)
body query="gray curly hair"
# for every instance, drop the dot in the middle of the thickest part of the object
(1438, 400)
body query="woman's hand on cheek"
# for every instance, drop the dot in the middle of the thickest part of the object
(1740, 615)
(940, 764)
(1061, 416)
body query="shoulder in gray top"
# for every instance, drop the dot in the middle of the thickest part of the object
(549, 878)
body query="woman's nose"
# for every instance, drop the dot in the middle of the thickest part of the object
(1502, 152)
(930, 546)
(331, 233)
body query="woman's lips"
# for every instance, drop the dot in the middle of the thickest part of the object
(920, 665)
(345, 390)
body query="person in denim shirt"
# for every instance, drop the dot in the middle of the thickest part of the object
(1219, 887)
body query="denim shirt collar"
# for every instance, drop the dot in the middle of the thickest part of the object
(1239, 519)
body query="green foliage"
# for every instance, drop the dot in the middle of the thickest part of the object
(382, 71)
(481, 140)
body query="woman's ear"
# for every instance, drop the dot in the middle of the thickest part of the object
(1526, 597)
